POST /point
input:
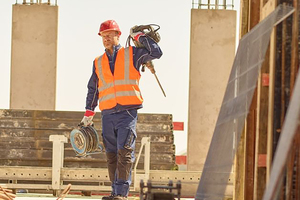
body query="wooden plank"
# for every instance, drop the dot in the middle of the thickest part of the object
(30, 154)
(250, 150)
(30, 143)
(267, 7)
(250, 16)
(65, 125)
(34, 141)
(239, 169)
(244, 16)
(263, 137)
(290, 173)
(240, 158)
(254, 13)
(24, 138)
(277, 90)
(261, 131)
(271, 103)
(297, 176)
(283, 52)
(290, 74)
(254, 19)
(72, 115)
(11, 134)
(294, 46)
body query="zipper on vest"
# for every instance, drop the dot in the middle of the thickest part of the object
(115, 89)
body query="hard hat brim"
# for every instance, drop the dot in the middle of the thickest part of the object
(110, 30)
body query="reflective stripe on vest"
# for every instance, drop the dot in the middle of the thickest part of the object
(128, 87)
(117, 82)
(118, 94)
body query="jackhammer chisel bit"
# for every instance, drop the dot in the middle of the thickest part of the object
(150, 66)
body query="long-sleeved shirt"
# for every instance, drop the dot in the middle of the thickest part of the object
(140, 56)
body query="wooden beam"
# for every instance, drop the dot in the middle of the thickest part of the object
(283, 52)
(290, 172)
(294, 46)
(251, 125)
(240, 158)
(250, 150)
(261, 131)
(290, 56)
(271, 103)
(239, 170)
(244, 17)
(250, 10)
(267, 8)
(254, 13)
(297, 176)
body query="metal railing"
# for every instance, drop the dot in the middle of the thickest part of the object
(30, 2)
(213, 4)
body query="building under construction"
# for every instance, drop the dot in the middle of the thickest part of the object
(243, 134)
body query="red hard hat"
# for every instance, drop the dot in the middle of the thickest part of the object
(109, 25)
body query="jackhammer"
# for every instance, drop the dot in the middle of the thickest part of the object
(152, 33)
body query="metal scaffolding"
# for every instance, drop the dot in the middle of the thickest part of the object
(31, 2)
(213, 4)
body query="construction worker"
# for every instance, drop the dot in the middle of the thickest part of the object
(115, 84)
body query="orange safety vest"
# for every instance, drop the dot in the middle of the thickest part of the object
(122, 87)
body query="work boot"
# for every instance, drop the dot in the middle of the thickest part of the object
(119, 197)
(110, 197)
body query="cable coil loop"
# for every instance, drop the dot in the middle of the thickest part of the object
(85, 141)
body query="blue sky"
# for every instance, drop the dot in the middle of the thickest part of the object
(79, 44)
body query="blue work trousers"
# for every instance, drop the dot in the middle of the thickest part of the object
(119, 135)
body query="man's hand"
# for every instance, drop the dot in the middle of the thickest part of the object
(136, 35)
(150, 66)
(88, 118)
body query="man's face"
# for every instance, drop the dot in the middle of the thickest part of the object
(110, 39)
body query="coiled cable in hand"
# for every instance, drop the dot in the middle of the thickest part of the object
(85, 140)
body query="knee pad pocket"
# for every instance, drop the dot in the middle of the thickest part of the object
(111, 165)
(124, 163)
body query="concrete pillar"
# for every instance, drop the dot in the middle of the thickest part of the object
(212, 53)
(33, 57)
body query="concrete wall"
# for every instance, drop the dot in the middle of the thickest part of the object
(34, 57)
(212, 53)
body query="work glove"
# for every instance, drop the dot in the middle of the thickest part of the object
(136, 35)
(88, 118)
(150, 66)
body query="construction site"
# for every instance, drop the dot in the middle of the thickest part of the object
(243, 112)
